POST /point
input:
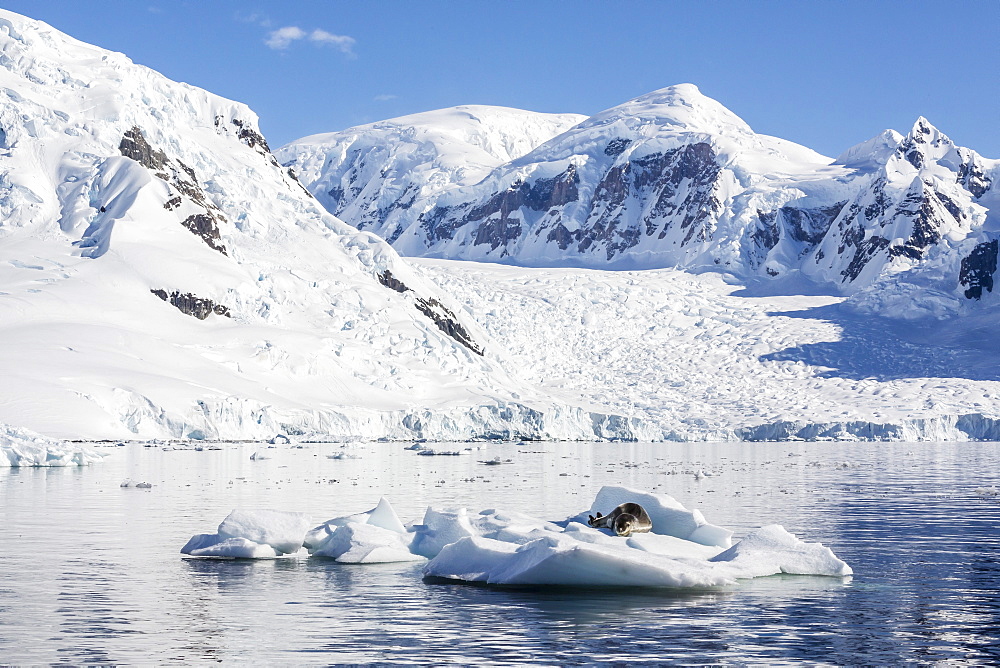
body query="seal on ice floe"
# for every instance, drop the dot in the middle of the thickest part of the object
(625, 520)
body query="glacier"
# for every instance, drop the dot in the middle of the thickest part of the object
(162, 276)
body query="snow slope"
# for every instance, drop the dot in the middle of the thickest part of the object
(674, 179)
(372, 174)
(161, 275)
(690, 357)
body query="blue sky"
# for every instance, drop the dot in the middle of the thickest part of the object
(824, 74)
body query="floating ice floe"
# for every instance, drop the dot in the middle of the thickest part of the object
(683, 550)
(22, 447)
(252, 534)
(505, 548)
(377, 536)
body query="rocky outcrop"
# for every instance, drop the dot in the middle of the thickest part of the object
(182, 178)
(189, 304)
(443, 317)
(977, 270)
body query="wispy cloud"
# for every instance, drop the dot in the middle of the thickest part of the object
(282, 38)
(384, 97)
(262, 20)
(343, 43)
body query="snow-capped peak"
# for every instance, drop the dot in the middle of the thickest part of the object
(873, 153)
(679, 108)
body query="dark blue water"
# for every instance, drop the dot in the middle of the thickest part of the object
(90, 571)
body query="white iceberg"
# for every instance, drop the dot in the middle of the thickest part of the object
(683, 550)
(252, 534)
(772, 550)
(376, 536)
(23, 447)
(214, 545)
(357, 543)
(441, 528)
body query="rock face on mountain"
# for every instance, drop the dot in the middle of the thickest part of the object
(674, 179)
(373, 174)
(129, 203)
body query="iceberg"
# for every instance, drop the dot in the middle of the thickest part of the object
(374, 537)
(252, 534)
(497, 547)
(682, 551)
(23, 447)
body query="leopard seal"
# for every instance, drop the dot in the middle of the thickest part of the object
(625, 520)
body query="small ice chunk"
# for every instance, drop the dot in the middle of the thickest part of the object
(443, 527)
(233, 548)
(772, 550)
(284, 531)
(382, 516)
(357, 543)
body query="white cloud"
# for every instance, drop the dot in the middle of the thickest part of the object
(282, 37)
(342, 42)
(385, 97)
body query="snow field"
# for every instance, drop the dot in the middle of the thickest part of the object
(690, 360)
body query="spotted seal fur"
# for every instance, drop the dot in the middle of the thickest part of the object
(625, 520)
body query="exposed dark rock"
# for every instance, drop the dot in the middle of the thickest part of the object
(203, 224)
(447, 322)
(134, 145)
(973, 178)
(249, 136)
(562, 236)
(866, 250)
(659, 177)
(441, 222)
(182, 177)
(766, 235)
(439, 314)
(388, 280)
(189, 304)
(978, 268)
(810, 225)
(496, 226)
(294, 177)
(616, 146)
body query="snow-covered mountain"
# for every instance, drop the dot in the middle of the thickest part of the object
(674, 179)
(161, 275)
(372, 174)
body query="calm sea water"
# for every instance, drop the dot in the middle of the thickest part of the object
(90, 571)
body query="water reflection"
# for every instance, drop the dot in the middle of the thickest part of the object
(92, 574)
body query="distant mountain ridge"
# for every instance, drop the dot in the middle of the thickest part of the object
(674, 179)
